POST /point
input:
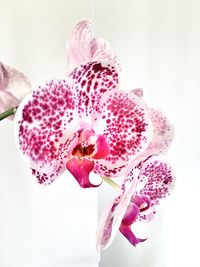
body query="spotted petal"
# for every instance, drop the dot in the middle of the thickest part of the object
(46, 125)
(127, 129)
(14, 86)
(156, 181)
(163, 132)
(163, 135)
(83, 48)
(90, 82)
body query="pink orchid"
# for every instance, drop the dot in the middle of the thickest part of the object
(14, 86)
(83, 123)
(137, 202)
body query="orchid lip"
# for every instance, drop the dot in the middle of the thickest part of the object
(81, 162)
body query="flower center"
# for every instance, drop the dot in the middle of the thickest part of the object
(82, 151)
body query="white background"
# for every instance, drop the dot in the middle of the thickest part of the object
(158, 43)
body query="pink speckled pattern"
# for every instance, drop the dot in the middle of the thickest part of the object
(163, 135)
(87, 100)
(14, 86)
(163, 132)
(44, 124)
(156, 180)
(90, 82)
(128, 131)
(83, 48)
(137, 201)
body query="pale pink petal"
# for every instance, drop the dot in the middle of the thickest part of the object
(7, 101)
(78, 46)
(46, 127)
(101, 51)
(80, 169)
(83, 48)
(156, 181)
(127, 129)
(111, 219)
(138, 92)
(14, 86)
(3, 77)
(163, 132)
(163, 135)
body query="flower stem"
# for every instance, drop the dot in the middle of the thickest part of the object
(8, 113)
(111, 183)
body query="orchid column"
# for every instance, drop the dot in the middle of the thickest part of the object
(52, 226)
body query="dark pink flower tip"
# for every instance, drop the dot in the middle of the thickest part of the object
(131, 214)
(80, 169)
(142, 202)
(127, 232)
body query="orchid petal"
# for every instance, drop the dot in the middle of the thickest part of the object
(111, 219)
(80, 169)
(163, 135)
(163, 132)
(156, 180)
(127, 129)
(14, 86)
(127, 232)
(46, 125)
(138, 92)
(101, 51)
(89, 83)
(142, 202)
(102, 148)
(83, 48)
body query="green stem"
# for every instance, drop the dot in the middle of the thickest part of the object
(111, 183)
(8, 113)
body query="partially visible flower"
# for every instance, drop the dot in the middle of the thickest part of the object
(149, 179)
(82, 48)
(14, 86)
(163, 132)
(137, 202)
(85, 122)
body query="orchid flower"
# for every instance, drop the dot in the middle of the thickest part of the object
(14, 86)
(139, 197)
(84, 123)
